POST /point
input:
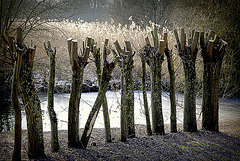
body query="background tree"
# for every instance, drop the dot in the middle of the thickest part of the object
(142, 11)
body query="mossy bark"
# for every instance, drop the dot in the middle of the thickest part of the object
(78, 63)
(52, 114)
(105, 78)
(32, 106)
(104, 105)
(212, 52)
(173, 116)
(154, 58)
(145, 102)
(127, 90)
(188, 54)
(156, 96)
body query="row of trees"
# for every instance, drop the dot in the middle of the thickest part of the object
(213, 50)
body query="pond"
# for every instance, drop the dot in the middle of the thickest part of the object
(228, 108)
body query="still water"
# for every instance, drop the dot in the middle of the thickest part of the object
(229, 108)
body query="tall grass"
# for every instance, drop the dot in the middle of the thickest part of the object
(59, 32)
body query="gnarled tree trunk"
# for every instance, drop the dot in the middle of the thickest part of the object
(32, 106)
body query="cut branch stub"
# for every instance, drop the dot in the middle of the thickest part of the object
(119, 50)
(74, 56)
(105, 50)
(161, 48)
(147, 41)
(183, 39)
(210, 49)
(69, 41)
(195, 42)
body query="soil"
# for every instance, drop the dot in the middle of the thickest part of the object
(200, 145)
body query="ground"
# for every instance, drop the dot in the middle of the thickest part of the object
(200, 145)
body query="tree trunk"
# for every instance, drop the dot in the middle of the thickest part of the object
(212, 53)
(188, 55)
(52, 114)
(123, 95)
(154, 58)
(32, 106)
(123, 110)
(104, 105)
(78, 64)
(173, 117)
(14, 95)
(149, 130)
(105, 78)
(129, 91)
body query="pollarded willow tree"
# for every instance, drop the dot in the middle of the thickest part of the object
(127, 90)
(212, 52)
(31, 103)
(78, 63)
(52, 114)
(188, 54)
(154, 57)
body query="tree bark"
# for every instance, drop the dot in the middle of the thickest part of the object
(212, 53)
(129, 91)
(52, 114)
(173, 117)
(188, 55)
(78, 63)
(154, 58)
(148, 123)
(32, 106)
(105, 78)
